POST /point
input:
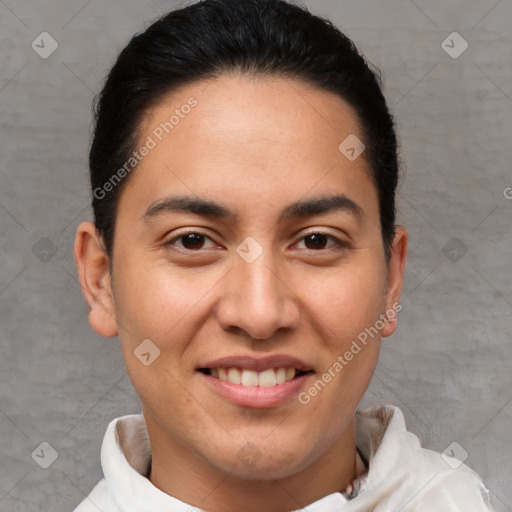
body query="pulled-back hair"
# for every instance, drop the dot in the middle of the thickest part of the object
(258, 38)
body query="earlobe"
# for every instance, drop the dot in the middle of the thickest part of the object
(396, 269)
(93, 270)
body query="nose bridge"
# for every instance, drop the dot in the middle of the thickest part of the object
(257, 299)
(260, 282)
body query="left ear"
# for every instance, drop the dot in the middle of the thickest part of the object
(396, 269)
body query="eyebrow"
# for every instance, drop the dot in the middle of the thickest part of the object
(211, 209)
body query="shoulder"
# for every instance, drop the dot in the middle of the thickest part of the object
(452, 485)
(98, 499)
(405, 476)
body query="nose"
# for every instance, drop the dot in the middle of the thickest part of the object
(258, 300)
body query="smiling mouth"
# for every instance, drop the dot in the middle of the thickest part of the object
(250, 378)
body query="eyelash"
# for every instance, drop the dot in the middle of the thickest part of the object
(340, 245)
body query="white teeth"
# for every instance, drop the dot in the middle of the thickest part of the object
(249, 378)
(235, 376)
(265, 379)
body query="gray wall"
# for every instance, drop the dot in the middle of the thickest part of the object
(448, 367)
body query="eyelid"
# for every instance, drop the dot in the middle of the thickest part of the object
(340, 244)
(190, 231)
(320, 231)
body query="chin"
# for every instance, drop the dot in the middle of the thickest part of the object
(261, 461)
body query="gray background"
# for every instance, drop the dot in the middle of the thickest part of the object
(448, 367)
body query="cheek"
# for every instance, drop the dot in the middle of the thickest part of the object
(346, 309)
(347, 301)
(152, 302)
(167, 306)
(155, 304)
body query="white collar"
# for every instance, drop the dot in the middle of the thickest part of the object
(126, 457)
(402, 475)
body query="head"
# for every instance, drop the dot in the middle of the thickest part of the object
(243, 169)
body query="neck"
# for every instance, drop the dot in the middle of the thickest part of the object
(182, 474)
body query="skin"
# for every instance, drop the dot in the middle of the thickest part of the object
(256, 146)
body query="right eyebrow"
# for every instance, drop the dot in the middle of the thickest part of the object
(197, 206)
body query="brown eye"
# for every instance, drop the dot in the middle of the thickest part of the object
(319, 241)
(192, 241)
(316, 241)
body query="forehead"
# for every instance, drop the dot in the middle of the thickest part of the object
(247, 140)
(241, 109)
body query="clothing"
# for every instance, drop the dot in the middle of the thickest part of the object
(402, 476)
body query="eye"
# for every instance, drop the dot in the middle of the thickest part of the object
(194, 241)
(191, 241)
(316, 241)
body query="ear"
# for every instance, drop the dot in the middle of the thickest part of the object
(93, 270)
(396, 269)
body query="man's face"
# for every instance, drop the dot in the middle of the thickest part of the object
(254, 292)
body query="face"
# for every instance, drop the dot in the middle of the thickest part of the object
(265, 272)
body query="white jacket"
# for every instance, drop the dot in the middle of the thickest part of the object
(402, 476)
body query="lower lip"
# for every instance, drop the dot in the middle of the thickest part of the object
(256, 396)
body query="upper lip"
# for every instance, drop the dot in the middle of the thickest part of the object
(258, 364)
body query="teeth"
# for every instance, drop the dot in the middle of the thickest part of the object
(249, 378)
(235, 376)
(265, 379)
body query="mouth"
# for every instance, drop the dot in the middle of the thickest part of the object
(267, 378)
(251, 382)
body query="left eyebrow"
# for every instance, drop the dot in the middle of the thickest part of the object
(321, 205)
(207, 208)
